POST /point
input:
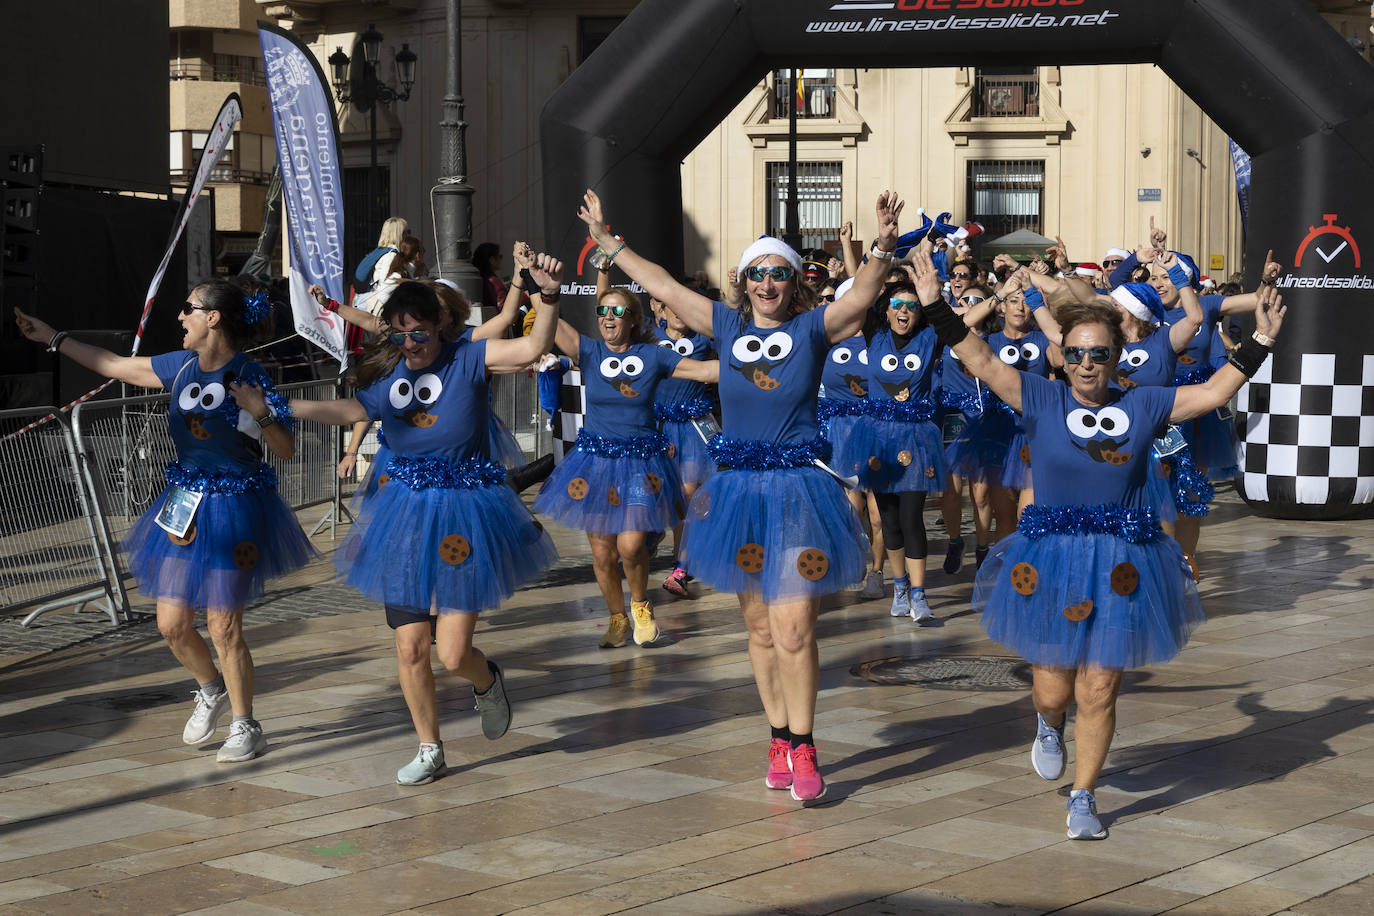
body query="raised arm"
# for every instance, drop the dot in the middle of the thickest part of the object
(136, 370)
(698, 370)
(1246, 302)
(690, 305)
(972, 350)
(1181, 332)
(356, 316)
(1242, 364)
(338, 412)
(845, 316)
(851, 260)
(499, 324)
(515, 353)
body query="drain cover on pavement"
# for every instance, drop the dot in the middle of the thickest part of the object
(949, 672)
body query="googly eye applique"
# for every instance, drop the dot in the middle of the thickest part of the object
(196, 396)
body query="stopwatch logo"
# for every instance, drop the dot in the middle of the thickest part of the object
(1328, 228)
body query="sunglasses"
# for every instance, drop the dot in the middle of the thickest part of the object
(971, 300)
(188, 307)
(399, 337)
(1114, 262)
(961, 276)
(779, 274)
(617, 311)
(907, 305)
(1074, 355)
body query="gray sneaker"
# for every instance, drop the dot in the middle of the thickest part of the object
(873, 585)
(1047, 753)
(1082, 821)
(901, 599)
(427, 766)
(245, 742)
(493, 707)
(205, 717)
(920, 610)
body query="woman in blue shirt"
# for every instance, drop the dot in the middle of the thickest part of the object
(444, 538)
(1089, 585)
(224, 411)
(771, 525)
(620, 483)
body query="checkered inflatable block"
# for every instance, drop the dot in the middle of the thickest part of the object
(1310, 441)
(572, 407)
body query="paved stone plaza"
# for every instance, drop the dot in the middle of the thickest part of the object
(1241, 779)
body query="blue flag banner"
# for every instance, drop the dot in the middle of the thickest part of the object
(307, 153)
(1240, 160)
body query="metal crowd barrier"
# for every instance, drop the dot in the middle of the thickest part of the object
(72, 488)
(53, 551)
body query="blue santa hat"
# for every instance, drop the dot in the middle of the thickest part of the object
(1141, 300)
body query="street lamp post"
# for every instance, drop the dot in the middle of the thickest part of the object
(366, 92)
(452, 196)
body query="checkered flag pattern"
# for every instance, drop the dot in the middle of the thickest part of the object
(572, 407)
(1309, 441)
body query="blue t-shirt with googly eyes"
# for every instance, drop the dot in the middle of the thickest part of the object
(1148, 362)
(903, 373)
(681, 390)
(770, 377)
(439, 411)
(1198, 353)
(621, 386)
(1029, 353)
(207, 428)
(845, 376)
(956, 381)
(1086, 456)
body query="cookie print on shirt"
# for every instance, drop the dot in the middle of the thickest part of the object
(1100, 432)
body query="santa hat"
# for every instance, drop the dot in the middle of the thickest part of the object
(970, 230)
(1189, 267)
(1141, 300)
(766, 245)
(1208, 283)
(1087, 269)
(1121, 253)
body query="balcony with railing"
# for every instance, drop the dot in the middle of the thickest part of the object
(1005, 96)
(223, 173)
(218, 73)
(815, 92)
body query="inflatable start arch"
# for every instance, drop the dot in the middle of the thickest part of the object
(1273, 75)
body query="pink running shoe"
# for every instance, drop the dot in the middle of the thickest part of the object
(807, 784)
(779, 769)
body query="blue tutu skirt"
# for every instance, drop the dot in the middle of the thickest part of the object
(368, 488)
(1159, 491)
(501, 444)
(844, 456)
(1068, 600)
(992, 449)
(603, 495)
(237, 542)
(784, 534)
(1214, 445)
(688, 449)
(454, 549)
(898, 456)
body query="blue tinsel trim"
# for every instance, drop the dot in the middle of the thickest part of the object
(445, 473)
(1138, 526)
(280, 403)
(1193, 492)
(256, 307)
(649, 446)
(962, 401)
(681, 413)
(232, 483)
(1193, 376)
(909, 412)
(829, 407)
(381, 437)
(755, 455)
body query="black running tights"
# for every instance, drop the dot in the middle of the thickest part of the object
(904, 524)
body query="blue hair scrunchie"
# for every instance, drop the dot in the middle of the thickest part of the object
(256, 307)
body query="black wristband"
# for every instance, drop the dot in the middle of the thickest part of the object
(528, 278)
(549, 299)
(949, 327)
(1249, 356)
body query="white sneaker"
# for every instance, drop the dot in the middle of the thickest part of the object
(205, 718)
(427, 766)
(245, 742)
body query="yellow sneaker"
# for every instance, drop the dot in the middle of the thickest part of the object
(617, 631)
(646, 628)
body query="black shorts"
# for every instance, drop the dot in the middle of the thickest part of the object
(399, 615)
